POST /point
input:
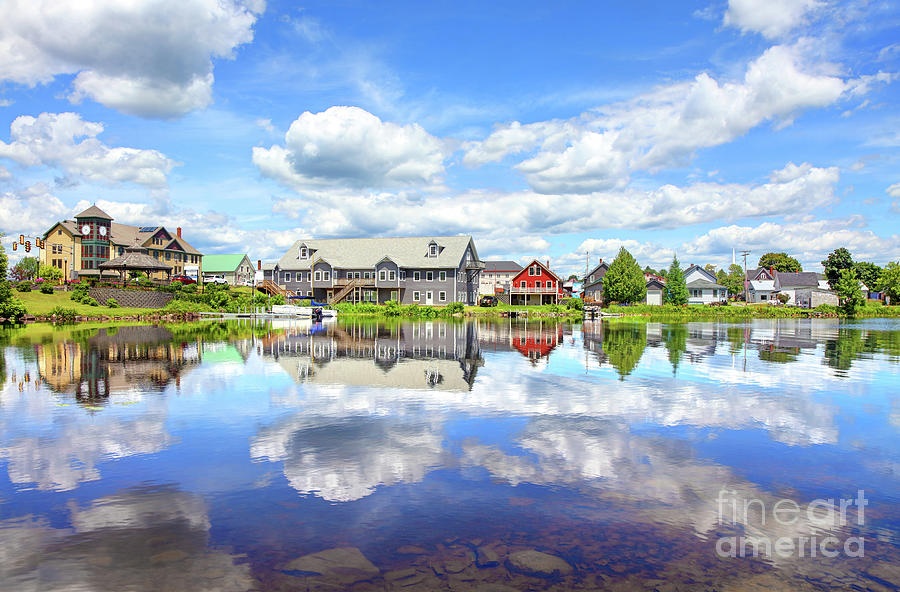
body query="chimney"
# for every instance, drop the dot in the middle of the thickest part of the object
(259, 265)
(548, 264)
(178, 231)
(772, 270)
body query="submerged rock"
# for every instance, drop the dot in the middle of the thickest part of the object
(346, 565)
(535, 563)
(486, 557)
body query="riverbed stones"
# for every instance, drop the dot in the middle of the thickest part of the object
(486, 557)
(344, 565)
(535, 563)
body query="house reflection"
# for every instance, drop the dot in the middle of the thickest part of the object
(534, 340)
(115, 360)
(420, 355)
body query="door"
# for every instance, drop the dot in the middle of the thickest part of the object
(429, 297)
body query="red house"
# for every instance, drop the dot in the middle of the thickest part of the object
(535, 285)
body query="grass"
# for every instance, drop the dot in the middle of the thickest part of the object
(38, 304)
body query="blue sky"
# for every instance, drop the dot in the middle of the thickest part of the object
(545, 131)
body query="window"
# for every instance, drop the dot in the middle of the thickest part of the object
(442, 276)
(429, 296)
(433, 250)
(523, 283)
(429, 276)
(395, 295)
(592, 278)
(402, 274)
(393, 276)
(287, 276)
(417, 276)
(326, 276)
(318, 276)
(442, 296)
(537, 284)
(309, 293)
(382, 275)
(416, 296)
(303, 253)
(59, 232)
(762, 296)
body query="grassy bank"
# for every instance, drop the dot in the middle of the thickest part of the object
(39, 305)
(712, 313)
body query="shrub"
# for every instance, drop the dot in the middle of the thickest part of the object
(63, 315)
(783, 298)
(182, 307)
(112, 303)
(24, 286)
(277, 299)
(189, 288)
(11, 308)
(46, 288)
(392, 309)
(575, 304)
(90, 301)
(455, 308)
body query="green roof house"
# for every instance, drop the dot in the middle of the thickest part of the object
(237, 269)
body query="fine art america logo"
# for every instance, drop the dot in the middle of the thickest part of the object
(781, 528)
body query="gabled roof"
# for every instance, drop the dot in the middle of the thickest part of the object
(500, 266)
(802, 279)
(126, 235)
(601, 269)
(754, 274)
(365, 253)
(544, 267)
(94, 212)
(704, 284)
(223, 263)
(710, 276)
(655, 283)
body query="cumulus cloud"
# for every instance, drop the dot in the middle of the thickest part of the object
(349, 146)
(151, 58)
(771, 18)
(599, 150)
(30, 211)
(66, 141)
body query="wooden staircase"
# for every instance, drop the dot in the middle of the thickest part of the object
(343, 292)
(272, 289)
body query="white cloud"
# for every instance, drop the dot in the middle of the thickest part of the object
(598, 150)
(5, 175)
(771, 18)
(151, 58)
(51, 139)
(349, 146)
(893, 190)
(29, 211)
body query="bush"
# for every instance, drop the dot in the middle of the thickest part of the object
(112, 303)
(24, 286)
(575, 304)
(392, 309)
(182, 307)
(277, 299)
(63, 315)
(11, 308)
(783, 298)
(46, 288)
(455, 308)
(90, 301)
(189, 288)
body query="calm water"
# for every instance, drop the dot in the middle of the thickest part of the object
(443, 456)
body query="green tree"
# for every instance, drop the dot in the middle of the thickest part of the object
(675, 338)
(733, 280)
(849, 292)
(838, 260)
(676, 287)
(650, 270)
(624, 282)
(50, 273)
(889, 282)
(781, 262)
(624, 345)
(25, 269)
(868, 273)
(10, 306)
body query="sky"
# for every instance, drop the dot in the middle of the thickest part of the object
(558, 131)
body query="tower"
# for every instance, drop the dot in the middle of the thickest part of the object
(93, 225)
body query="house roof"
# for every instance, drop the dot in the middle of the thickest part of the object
(223, 263)
(94, 212)
(706, 273)
(762, 285)
(601, 269)
(704, 284)
(802, 279)
(365, 253)
(544, 267)
(655, 284)
(125, 235)
(753, 274)
(496, 266)
(264, 266)
(135, 259)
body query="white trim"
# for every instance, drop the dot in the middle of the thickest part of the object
(416, 295)
(429, 276)
(442, 296)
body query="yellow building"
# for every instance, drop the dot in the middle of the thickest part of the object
(79, 246)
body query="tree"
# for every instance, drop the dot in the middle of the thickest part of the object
(676, 288)
(50, 273)
(710, 268)
(849, 292)
(624, 281)
(26, 269)
(781, 262)
(889, 282)
(573, 278)
(10, 306)
(733, 280)
(838, 260)
(650, 270)
(868, 273)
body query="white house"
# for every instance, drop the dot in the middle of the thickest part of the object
(702, 286)
(761, 288)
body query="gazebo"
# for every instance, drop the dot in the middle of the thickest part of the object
(135, 259)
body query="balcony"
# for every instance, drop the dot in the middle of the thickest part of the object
(360, 282)
(533, 290)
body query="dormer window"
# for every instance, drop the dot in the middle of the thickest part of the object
(432, 250)
(304, 253)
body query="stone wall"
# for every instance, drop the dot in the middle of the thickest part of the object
(131, 298)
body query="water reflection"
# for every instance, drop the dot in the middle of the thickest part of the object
(214, 456)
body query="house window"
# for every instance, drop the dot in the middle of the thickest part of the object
(433, 250)
(416, 296)
(763, 297)
(303, 252)
(537, 284)
(531, 271)
(59, 232)
(429, 276)
(523, 283)
(287, 276)
(402, 274)
(392, 276)
(417, 276)
(318, 276)
(442, 276)
(326, 276)
(395, 295)
(442, 296)
(382, 275)
(309, 293)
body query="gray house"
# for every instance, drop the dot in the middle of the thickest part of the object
(426, 270)
(593, 282)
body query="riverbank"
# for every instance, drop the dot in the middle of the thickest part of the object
(734, 311)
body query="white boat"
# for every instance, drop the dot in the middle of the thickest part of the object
(302, 311)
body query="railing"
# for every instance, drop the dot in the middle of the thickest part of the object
(349, 287)
(270, 287)
(533, 290)
(361, 282)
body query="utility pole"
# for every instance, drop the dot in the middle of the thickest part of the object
(746, 288)
(587, 266)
